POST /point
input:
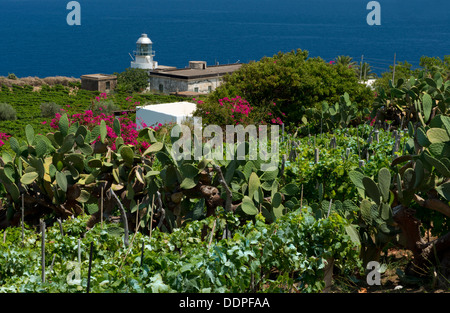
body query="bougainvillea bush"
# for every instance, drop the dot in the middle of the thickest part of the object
(237, 111)
(128, 127)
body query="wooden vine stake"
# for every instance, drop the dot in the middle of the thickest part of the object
(23, 217)
(101, 207)
(301, 198)
(79, 251)
(137, 214)
(329, 208)
(90, 267)
(377, 136)
(316, 156)
(150, 230)
(212, 234)
(43, 250)
(151, 217)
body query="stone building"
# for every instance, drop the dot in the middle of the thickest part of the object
(198, 78)
(99, 82)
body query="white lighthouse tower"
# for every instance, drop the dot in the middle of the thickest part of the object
(143, 55)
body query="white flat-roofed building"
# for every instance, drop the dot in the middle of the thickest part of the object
(175, 112)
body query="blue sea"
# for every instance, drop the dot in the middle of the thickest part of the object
(37, 41)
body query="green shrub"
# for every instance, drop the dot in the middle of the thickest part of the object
(132, 80)
(295, 83)
(105, 107)
(7, 112)
(12, 76)
(49, 109)
(296, 247)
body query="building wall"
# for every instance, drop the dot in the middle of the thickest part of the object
(168, 84)
(204, 86)
(102, 85)
(89, 84)
(98, 85)
(177, 85)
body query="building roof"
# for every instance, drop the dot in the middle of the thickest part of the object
(191, 73)
(98, 77)
(183, 108)
(186, 93)
(144, 40)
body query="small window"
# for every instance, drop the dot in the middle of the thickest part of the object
(108, 85)
(209, 88)
(196, 89)
(161, 87)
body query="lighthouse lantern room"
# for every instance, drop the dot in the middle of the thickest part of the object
(143, 55)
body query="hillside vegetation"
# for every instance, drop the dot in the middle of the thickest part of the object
(359, 175)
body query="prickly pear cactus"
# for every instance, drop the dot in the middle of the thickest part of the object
(375, 219)
(427, 167)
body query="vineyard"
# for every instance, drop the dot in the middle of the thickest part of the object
(90, 203)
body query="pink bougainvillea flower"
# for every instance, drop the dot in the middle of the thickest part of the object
(3, 137)
(128, 129)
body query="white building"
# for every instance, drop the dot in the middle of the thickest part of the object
(152, 115)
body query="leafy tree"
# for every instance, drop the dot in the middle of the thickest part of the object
(431, 63)
(365, 71)
(132, 80)
(294, 82)
(346, 61)
(403, 71)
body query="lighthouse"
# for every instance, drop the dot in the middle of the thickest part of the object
(143, 55)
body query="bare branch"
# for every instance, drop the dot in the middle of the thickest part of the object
(433, 204)
(225, 186)
(124, 216)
